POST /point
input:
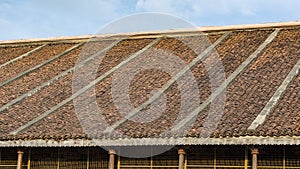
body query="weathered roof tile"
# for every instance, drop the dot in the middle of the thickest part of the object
(246, 94)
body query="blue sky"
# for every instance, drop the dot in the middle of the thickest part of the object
(21, 19)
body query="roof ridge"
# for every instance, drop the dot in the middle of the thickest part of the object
(149, 33)
(251, 26)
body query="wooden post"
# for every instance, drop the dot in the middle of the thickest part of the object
(0, 155)
(88, 159)
(181, 153)
(20, 159)
(119, 162)
(215, 157)
(246, 158)
(151, 162)
(284, 158)
(254, 153)
(111, 163)
(28, 161)
(58, 159)
(185, 162)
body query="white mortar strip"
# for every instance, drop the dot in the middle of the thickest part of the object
(171, 141)
(24, 55)
(245, 140)
(166, 86)
(224, 85)
(42, 64)
(275, 98)
(82, 90)
(54, 79)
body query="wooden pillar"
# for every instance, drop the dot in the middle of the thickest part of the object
(29, 157)
(246, 158)
(254, 153)
(20, 159)
(111, 163)
(88, 159)
(181, 153)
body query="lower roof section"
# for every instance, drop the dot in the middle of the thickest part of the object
(247, 140)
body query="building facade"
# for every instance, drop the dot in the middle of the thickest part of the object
(215, 97)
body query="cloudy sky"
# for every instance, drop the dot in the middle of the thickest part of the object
(21, 19)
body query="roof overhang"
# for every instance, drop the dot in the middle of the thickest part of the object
(247, 140)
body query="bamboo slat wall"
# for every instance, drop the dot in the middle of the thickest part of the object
(55, 158)
(206, 157)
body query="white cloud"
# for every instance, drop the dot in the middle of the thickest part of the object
(198, 8)
(165, 6)
(220, 12)
(248, 12)
(4, 6)
(35, 18)
(79, 9)
(4, 21)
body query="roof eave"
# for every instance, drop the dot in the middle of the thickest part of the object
(246, 140)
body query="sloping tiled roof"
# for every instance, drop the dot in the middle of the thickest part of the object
(261, 65)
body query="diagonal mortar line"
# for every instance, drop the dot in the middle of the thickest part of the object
(54, 79)
(23, 55)
(85, 88)
(201, 56)
(275, 98)
(42, 64)
(227, 81)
